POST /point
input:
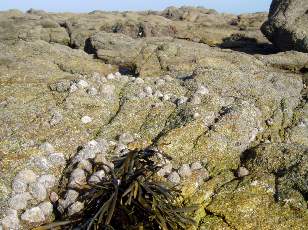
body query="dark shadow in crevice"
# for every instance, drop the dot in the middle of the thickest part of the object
(88, 48)
(241, 43)
(129, 70)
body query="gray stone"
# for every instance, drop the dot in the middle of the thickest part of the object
(33, 215)
(286, 26)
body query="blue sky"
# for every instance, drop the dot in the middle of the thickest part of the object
(230, 6)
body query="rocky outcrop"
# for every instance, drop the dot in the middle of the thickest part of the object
(286, 26)
(72, 87)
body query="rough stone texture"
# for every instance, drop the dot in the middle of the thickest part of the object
(286, 26)
(180, 90)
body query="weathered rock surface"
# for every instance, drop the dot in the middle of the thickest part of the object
(61, 88)
(286, 26)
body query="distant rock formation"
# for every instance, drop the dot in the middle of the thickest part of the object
(287, 25)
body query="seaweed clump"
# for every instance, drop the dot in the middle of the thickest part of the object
(130, 197)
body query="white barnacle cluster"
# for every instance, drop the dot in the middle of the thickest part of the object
(32, 188)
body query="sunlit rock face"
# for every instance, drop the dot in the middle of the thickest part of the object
(207, 89)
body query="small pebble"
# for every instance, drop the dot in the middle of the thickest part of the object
(196, 166)
(82, 84)
(47, 147)
(56, 118)
(38, 191)
(86, 119)
(174, 177)
(75, 208)
(48, 181)
(242, 171)
(33, 215)
(19, 201)
(184, 170)
(46, 208)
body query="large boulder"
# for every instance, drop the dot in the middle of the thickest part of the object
(286, 26)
